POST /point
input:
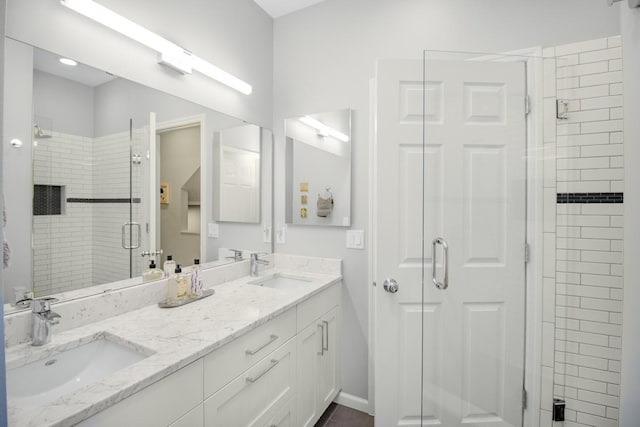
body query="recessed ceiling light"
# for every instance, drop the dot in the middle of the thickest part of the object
(67, 61)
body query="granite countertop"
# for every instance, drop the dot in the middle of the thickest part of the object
(176, 336)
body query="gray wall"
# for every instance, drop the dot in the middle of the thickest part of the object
(324, 57)
(68, 104)
(235, 35)
(630, 387)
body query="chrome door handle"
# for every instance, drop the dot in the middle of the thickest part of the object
(445, 281)
(325, 329)
(390, 285)
(131, 225)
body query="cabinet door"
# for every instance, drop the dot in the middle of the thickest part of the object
(251, 398)
(309, 349)
(284, 417)
(329, 375)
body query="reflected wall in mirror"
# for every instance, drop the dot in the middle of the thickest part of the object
(114, 169)
(318, 169)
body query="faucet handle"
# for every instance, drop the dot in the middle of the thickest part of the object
(42, 305)
(237, 255)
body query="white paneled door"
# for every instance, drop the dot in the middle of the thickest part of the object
(469, 337)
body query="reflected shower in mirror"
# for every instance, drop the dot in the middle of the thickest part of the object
(116, 169)
(318, 169)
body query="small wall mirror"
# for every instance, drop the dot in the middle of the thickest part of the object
(318, 169)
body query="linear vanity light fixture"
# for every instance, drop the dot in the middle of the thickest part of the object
(169, 53)
(323, 129)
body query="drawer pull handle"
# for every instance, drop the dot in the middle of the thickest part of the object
(272, 338)
(321, 352)
(325, 329)
(274, 362)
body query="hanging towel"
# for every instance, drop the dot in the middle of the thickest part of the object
(325, 206)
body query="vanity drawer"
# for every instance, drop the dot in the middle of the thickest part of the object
(230, 360)
(256, 396)
(317, 305)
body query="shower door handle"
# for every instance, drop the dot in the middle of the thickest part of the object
(124, 240)
(445, 266)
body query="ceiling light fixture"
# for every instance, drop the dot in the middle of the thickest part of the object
(323, 129)
(169, 53)
(68, 61)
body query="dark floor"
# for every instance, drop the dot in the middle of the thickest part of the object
(341, 416)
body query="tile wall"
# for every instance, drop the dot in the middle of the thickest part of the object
(83, 246)
(584, 230)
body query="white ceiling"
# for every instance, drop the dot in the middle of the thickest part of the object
(277, 8)
(49, 63)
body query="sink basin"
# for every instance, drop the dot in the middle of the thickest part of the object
(69, 369)
(281, 281)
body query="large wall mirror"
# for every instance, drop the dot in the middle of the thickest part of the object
(318, 169)
(102, 169)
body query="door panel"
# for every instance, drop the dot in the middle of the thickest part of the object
(465, 183)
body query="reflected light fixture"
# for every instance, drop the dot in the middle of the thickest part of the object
(68, 61)
(169, 53)
(324, 130)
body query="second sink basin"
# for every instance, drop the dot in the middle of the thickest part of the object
(63, 372)
(281, 281)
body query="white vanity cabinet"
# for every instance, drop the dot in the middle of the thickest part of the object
(283, 373)
(175, 400)
(318, 351)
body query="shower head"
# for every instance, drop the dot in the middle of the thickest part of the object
(38, 133)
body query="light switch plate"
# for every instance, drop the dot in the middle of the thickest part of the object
(213, 230)
(355, 239)
(281, 234)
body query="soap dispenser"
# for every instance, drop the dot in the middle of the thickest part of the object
(169, 266)
(182, 282)
(153, 273)
(195, 289)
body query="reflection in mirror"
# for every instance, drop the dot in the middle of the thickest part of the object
(318, 169)
(117, 169)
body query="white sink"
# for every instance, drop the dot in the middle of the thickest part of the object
(281, 281)
(69, 369)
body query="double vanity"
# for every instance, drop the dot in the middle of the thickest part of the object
(262, 351)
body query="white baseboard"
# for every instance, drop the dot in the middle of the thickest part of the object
(353, 402)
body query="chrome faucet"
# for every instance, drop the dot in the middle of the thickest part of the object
(255, 261)
(237, 255)
(43, 319)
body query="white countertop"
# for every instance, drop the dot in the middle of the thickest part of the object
(178, 336)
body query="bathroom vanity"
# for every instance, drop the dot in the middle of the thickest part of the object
(260, 352)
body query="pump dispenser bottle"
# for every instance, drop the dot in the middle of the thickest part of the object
(169, 266)
(153, 273)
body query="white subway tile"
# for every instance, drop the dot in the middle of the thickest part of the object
(579, 47)
(599, 375)
(570, 83)
(602, 126)
(567, 152)
(601, 304)
(568, 255)
(602, 150)
(616, 89)
(571, 324)
(615, 65)
(587, 139)
(568, 129)
(586, 407)
(583, 337)
(613, 413)
(568, 301)
(585, 92)
(616, 162)
(567, 60)
(583, 163)
(581, 360)
(617, 245)
(586, 291)
(602, 256)
(616, 113)
(602, 233)
(614, 41)
(582, 314)
(584, 220)
(617, 186)
(594, 420)
(569, 208)
(585, 384)
(602, 174)
(584, 69)
(616, 294)
(614, 366)
(584, 187)
(603, 209)
(615, 342)
(588, 116)
(590, 244)
(602, 78)
(617, 137)
(602, 102)
(601, 55)
(617, 270)
(568, 175)
(599, 398)
(601, 280)
(601, 328)
(572, 232)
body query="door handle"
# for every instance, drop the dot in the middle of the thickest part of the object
(130, 225)
(445, 266)
(390, 285)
